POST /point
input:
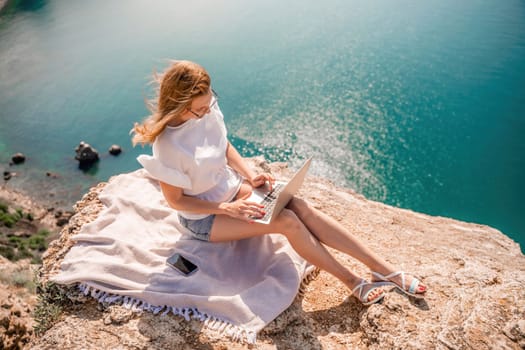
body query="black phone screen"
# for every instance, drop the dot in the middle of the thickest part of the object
(182, 264)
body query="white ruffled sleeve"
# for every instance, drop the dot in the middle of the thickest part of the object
(163, 173)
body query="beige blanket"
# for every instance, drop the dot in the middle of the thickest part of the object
(120, 257)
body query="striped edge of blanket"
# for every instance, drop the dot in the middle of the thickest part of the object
(223, 327)
(310, 274)
(214, 323)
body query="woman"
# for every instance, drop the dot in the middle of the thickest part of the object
(206, 180)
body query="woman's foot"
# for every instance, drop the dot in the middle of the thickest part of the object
(368, 292)
(406, 283)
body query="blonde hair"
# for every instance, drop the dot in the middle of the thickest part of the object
(176, 88)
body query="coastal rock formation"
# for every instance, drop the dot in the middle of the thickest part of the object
(18, 158)
(17, 279)
(16, 304)
(115, 150)
(475, 275)
(86, 155)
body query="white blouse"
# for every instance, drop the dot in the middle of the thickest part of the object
(193, 156)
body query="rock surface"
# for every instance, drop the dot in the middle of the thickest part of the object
(115, 150)
(475, 275)
(16, 304)
(86, 155)
(7, 175)
(18, 158)
(17, 287)
(46, 217)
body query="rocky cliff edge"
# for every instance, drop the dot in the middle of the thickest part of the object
(476, 277)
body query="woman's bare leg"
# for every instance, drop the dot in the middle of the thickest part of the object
(226, 228)
(334, 235)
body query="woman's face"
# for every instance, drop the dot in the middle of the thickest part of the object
(200, 106)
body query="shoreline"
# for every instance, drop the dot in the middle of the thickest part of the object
(61, 188)
(41, 186)
(52, 207)
(47, 215)
(13, 196)
(16, 193)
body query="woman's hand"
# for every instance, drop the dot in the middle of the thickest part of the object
(244, 209)
(261, 179)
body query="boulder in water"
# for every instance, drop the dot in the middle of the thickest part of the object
(86, 155)
(18, 158)
(115, 150)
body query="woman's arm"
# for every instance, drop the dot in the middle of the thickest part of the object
(237, 162)
(240, 209)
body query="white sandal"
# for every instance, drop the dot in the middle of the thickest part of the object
(364, 298)
(386, 280)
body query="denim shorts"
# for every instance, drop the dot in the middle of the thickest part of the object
(200, 228)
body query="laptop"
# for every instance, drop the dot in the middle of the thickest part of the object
(282, 192)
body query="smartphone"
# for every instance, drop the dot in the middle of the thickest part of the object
(181, 264)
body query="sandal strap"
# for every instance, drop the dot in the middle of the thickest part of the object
(413, 285)
(360, 286)
(392, 275)
(412, 289)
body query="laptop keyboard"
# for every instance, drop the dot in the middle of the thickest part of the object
(270, 199)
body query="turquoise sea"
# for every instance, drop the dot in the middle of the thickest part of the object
(418, 104)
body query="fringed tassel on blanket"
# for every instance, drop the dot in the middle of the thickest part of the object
(214, 323)
(311, 273)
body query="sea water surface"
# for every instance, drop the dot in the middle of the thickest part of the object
(418, 104)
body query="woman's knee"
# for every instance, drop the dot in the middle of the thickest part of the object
(296, 203)
(288, 222)
(301, 207)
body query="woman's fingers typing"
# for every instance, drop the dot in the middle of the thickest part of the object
(246, 210)
(253, 210)
(262, 179)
